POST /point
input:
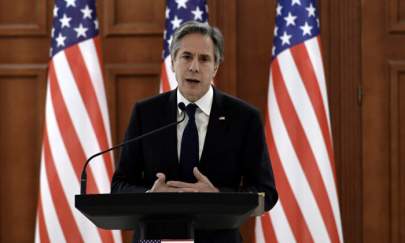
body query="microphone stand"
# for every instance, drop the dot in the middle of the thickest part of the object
(83, 180)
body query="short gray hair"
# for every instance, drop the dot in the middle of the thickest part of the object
(191, 27)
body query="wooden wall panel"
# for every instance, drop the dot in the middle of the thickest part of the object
(255, 21)
(397, 150)
(143, 49)
(134, 17)
(341, 28)
(398, 229)
(226, 78)
(396, 16)
(24, 50)
(23, 18)
(383, 55)
(254, 32)
(22, 92)
(375, 141)
(128, 83)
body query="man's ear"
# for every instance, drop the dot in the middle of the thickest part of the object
(215, 70)
(172, 62)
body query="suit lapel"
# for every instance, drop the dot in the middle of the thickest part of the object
(168, 117)
(216, 127)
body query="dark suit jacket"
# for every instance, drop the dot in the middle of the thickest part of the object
(234, 157)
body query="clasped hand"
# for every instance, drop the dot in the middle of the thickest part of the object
(203, 184)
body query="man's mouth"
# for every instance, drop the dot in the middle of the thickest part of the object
(191, 80)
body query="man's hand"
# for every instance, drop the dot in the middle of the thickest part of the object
(203, 184)
(161, 186)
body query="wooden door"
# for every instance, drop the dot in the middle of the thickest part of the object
(24, 48)
(383, 70)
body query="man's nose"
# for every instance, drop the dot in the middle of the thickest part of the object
(194, 67)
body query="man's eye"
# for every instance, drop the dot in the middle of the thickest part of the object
(204, 59)
(187, 57)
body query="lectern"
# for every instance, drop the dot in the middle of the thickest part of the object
(170, 215)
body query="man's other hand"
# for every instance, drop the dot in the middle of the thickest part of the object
(203, 184)
(161, 186)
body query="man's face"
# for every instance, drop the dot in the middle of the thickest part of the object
(194, 65)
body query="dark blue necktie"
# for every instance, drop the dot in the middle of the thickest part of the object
(189, 147)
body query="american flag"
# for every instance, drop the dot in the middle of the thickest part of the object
(76, 126)
(178, 12)
(298, 133)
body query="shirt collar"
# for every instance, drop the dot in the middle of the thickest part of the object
(204, 103)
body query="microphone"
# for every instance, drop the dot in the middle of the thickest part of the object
(83, 180)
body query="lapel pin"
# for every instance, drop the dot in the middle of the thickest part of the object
(221, 118)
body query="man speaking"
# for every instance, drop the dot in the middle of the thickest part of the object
(219, 147)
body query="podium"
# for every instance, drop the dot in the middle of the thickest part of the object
(170, 215)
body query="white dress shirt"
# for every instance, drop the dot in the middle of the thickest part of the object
(202, 116)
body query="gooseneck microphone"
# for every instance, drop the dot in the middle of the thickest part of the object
(83, 180)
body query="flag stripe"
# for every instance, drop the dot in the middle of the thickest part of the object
(82, 79)
(287, 198)
(259, 231)
(70, 138)
(310, 124)
(310, 82)
(50, 217)
(269, 235)
(88, 94)
(306, 71)
(81, 128)
(315, 53)
(295, 193)
(97, 44)
(72, 142)
(293, 169)
(164, 81)
(279, 222)
(171, 77)
(66, 174)
(65, 216)
(90, 57)
(43, 233)
(64, 121)
(313, 48)
(302, 147)
(99, 85)
(306, 113)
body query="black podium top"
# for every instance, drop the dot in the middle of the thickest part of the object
(205, 210)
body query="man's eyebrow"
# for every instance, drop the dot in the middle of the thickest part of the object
(206, 55)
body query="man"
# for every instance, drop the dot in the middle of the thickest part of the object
(219, 147)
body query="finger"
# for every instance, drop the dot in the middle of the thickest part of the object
(159, 182)
(181, 189)
(179, 184)
(199, 176)
(161, 176)
(186, 189)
